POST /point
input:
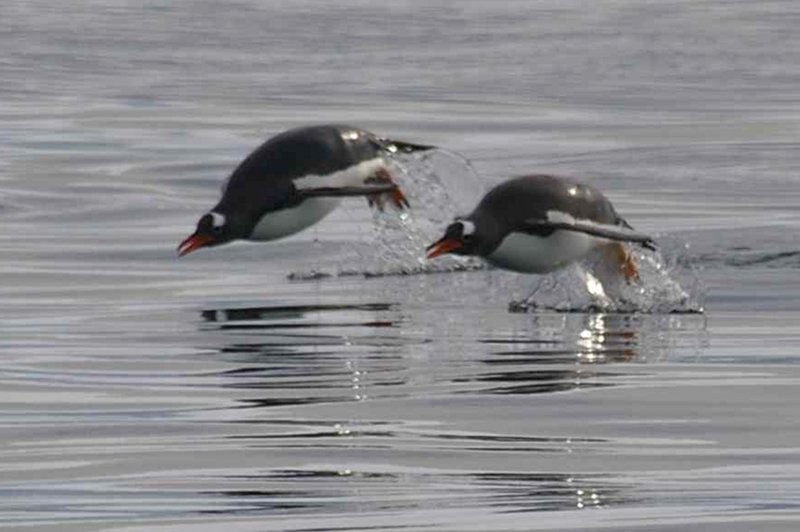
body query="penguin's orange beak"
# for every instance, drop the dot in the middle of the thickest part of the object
(445, 245)
(192, 243)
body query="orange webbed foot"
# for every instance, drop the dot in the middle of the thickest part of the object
(627, 267)
(395, 196)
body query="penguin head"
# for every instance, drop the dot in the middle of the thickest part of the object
(213, 229)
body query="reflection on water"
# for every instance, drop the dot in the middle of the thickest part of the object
(263, 317)
(336, 405)
(295, 311)
(293, 490)
(333, 359)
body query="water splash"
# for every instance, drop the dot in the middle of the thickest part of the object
(667, 284)
(439, 185)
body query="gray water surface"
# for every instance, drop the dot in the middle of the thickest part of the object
(143, 392)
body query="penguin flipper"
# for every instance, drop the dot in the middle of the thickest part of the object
(375, 194)
(338, 192)
(617, 233)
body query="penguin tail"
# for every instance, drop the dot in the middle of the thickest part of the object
(399, 146)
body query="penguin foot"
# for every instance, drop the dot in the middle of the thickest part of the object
(395, 196)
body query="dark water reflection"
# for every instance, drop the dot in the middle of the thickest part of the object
(352, 491)
(232, 318)
(310, 367)
(358, 354)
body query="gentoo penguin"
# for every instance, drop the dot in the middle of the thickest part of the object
(295, 179)
(539, 223)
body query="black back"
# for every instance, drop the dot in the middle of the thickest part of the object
(263, 181)
(525, 198)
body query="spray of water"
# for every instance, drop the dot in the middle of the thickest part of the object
(439, 185)
(667, 284)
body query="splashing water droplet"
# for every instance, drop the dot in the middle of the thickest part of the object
(439, 185)
(590, 286)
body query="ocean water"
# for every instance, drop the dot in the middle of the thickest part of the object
(302, 385)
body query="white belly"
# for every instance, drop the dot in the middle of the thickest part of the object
(525, 253)
(289, 221)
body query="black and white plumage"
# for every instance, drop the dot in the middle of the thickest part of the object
(539, 223)
(297, 178)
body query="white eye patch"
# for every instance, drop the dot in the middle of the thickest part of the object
(217, 219)
(467, 228)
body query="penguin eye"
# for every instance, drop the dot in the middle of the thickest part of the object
(216, 229)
